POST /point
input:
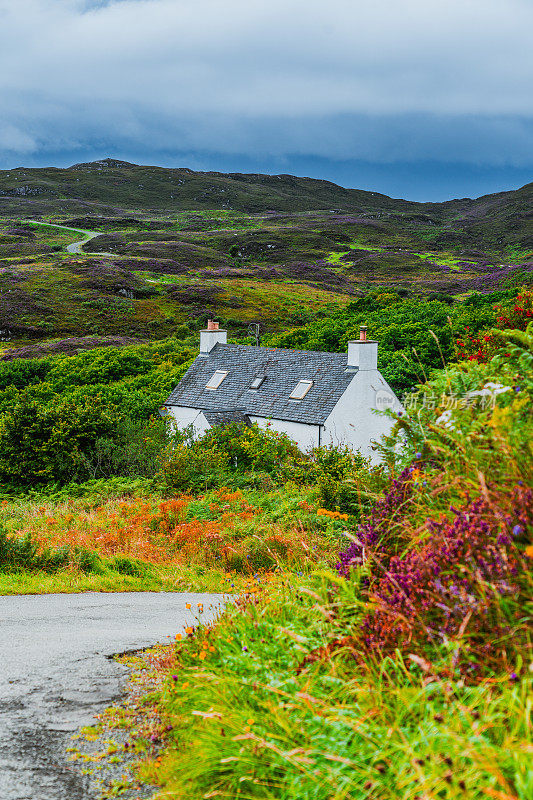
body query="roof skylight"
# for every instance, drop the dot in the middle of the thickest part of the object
(216, 379)
(300, 390)
(257, 381)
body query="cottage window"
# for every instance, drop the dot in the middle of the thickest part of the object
(217, 379)
(300, 390)
(257, 381)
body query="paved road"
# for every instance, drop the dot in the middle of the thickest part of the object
(55, 674)
(75, 247)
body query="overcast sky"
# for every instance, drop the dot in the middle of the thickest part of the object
(426, 99)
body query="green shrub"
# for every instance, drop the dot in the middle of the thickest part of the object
(416, 336)
(230, 455)
(129, 566)
(193, 468)
(337, 471)
(252, 447)
(43, 444)
(16, 553)
(23, 554)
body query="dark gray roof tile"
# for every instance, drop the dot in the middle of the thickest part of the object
(225, 417)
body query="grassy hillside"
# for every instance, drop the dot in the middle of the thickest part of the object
(175, 246)
(126, 185)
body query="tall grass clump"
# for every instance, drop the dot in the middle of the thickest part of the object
(24, 554)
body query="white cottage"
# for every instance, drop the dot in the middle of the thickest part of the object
(316, 398)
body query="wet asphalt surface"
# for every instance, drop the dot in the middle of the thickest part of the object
(56, 673)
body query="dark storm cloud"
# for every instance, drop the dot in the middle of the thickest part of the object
(383, 81)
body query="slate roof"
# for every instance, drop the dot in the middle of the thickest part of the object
(282, 368)
(225, 417)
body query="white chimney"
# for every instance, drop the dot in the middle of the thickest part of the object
(363, 352)
(211, 336)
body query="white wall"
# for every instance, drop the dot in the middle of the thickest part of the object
(183, 417)
(353, 422)
(305, 436)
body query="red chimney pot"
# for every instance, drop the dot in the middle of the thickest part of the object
(362, 333)
(212, 325)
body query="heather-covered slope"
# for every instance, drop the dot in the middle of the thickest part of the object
(112, 184)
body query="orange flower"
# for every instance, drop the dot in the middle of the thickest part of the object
(187, 605)
(202, 655)
(529, 551)
(189, 630)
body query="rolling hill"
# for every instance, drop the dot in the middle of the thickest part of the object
(172, 246)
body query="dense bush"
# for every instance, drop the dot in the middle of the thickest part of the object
(334, 469)
(43, 444)
(134, 379)
(482, 346)
(89, 416)
(229, 455)
(238, 455)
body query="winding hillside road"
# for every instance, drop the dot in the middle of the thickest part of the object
(56, 673)
(75, 247)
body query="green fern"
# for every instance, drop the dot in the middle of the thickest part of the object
(518, 346)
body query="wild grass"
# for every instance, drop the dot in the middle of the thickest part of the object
(154, 578)
(271, 703)
(213, 541)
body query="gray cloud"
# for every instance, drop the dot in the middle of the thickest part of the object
(387, 80)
